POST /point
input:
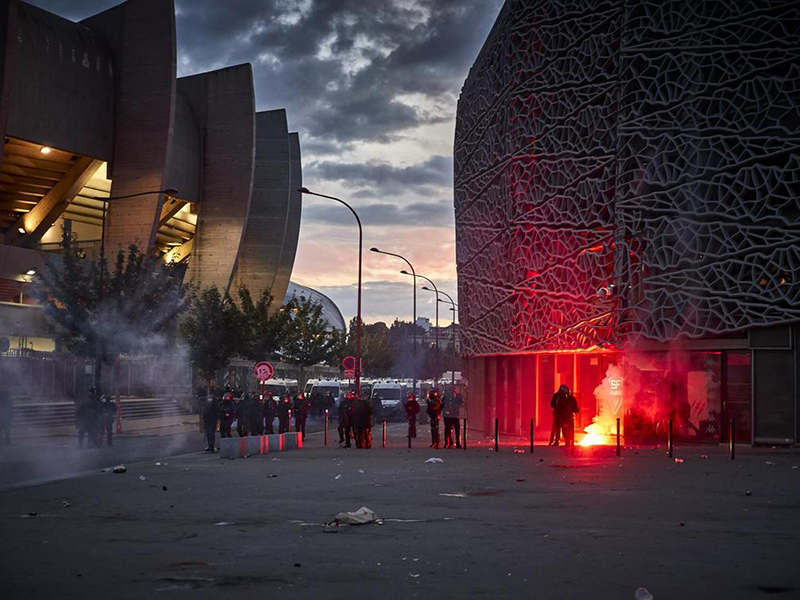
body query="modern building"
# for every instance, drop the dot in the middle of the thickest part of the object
(627, 205)
(93, 110)
(330, 312)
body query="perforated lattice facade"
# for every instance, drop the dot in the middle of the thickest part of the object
(629, 169)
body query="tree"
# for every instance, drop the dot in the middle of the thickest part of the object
(376, 352)
(213, 330)
(263, 328)
(308, 340)
(131, 310)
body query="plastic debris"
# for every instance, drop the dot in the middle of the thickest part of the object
(704, 456)
(65, 504)
(223, 523)
(415, 575)
(363, 516)
(519, 451)
(678, 460)
(120, 469)
(361, 470)
(769, 462)
(338, 477)
(142, 478)
(434, 460)
(643, 594)
(158, 464)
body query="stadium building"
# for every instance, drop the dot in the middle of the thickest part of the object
(627, 196)
(93, 110)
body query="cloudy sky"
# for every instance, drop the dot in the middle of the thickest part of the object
(371, 85)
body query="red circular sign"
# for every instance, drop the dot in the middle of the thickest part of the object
(263, 371)
(349, 363)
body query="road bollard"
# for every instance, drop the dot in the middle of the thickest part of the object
(669, 439)
(384, 434)
(326, 426)
(465, 433)
(409, 436)
(732, 439)
(497, 435)
(531, 436)
(618, 439)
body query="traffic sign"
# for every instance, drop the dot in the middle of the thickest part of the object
(263, 371)
(349, 363)
(349, 374)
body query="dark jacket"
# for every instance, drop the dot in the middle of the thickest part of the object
(434, 408)
(412, 409)
(564, 405)
(210, 415)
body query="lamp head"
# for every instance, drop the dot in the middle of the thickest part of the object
(404, 272)
(303, 190)
(374, 249)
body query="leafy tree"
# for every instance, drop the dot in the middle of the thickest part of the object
(213, 330)
(376, 351)
(130, 310)
(308, 341)
(264, 329)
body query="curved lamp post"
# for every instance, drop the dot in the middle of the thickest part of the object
(436, 335)
(414, 324)
(306, 191)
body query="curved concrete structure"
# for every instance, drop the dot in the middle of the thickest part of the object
(93, 109)
(266, 225)
(224, 103)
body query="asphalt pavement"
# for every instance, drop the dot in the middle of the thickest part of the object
(479, 524)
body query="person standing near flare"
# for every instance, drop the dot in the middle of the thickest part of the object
(564, 407)
(434, 410)
(412, 410)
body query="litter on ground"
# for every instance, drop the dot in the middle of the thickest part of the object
(362, 516)
(434, 460)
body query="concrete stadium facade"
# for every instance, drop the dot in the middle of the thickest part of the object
(94, 109)
(627, 217)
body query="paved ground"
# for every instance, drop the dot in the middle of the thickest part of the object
(480, 524)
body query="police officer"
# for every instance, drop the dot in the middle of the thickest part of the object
(238, 403)
(227, 412)
(434, 410)
(285, 415)
(301, 409)
(346, 420)
(107, 413)
(210, 417)
(364, 416)
(270, 412)
(253, 414)
(412, 409)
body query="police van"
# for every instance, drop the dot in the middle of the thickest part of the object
(280, 387)
(392, 396)
(323, 387)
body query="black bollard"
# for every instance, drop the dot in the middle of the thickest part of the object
(465, 434)
(409, 436)
(669, 439)
(531, 436)
(384, 433)
(326, 426)
(732, 439)
(618, 439)
(497, 435)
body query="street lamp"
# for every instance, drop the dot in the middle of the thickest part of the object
(303, 190)
(414, 324)
(453, 324)
(436, 334)
(98, 362)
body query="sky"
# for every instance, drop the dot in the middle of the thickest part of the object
(371, 86)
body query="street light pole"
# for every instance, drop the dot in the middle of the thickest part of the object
(98, 361)
(435, 290)
(303, 190)
(414, 324)
(453, 325)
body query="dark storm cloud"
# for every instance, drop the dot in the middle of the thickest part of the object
(340, 67)
(382, 177)
(415, 214)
